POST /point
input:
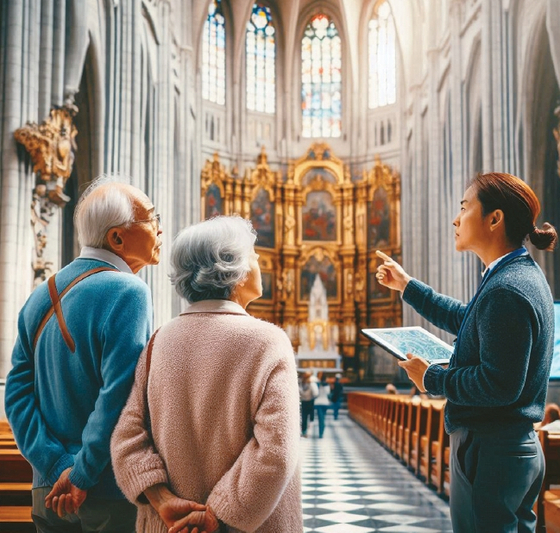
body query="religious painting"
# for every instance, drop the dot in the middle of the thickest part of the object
(379, 221)
(319, 217)
(267, 280)
(213, 202)
(327, 273)
(313, 173)
(262, 217)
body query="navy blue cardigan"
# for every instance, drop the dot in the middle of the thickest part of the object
(498, 375)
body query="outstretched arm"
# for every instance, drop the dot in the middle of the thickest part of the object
(443, 311)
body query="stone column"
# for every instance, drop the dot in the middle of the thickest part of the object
(486, 83)
(15, 182)
(553, 28)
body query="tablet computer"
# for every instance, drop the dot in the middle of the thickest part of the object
(414, 340)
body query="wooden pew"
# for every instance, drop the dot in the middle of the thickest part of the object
(15, 485)
(417, 434)
(551, 506)
(410, 428)
(15, 515)
(381, 413)
(428, 436)
(14, 467)
(412, 417)
(439, 450)
(390, 421)
(550, 443)
(404, 406)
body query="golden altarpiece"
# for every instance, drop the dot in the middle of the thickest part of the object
(318, 228)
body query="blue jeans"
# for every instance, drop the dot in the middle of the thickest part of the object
(336, 406)
(95, 515)
(495, 479)
(321, 414)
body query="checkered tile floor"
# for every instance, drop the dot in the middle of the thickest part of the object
(351, 484)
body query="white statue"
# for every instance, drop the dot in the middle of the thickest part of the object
(318, 306)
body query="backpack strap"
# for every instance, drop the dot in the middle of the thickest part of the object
(56, 308)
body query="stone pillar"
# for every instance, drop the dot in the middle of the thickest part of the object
(486, 83)
(15, 182)
(553, 28)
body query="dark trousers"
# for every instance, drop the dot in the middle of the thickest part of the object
(336, 406)
(321, 414)
(306, 412)
(95, 515)
(495, 480)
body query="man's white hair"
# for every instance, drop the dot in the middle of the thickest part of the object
(209, 259)
(111, 207)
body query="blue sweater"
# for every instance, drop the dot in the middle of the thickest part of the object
(498, 374)
(63, 406)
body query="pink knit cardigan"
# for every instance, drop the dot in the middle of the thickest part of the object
(224, 407)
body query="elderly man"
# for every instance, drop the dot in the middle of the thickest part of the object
(79, 338)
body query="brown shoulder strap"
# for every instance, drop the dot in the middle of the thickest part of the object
(149, 353)
(56, 307)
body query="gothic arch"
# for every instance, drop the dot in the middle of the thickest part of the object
(541, 95)
(332, 11)
(371, 116)
(230, 31)
(280, 73)
(368, 11)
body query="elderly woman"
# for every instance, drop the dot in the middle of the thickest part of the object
(214, 413)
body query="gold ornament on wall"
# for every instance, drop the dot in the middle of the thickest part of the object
(320, 238)
(51, 146)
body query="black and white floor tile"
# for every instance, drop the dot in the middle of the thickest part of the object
(351, 484)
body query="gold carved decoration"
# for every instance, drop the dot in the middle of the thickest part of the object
(51, 146)
(341, 257)
(263, 177)
(213, 173)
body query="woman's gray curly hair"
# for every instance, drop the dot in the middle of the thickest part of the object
(209, 259)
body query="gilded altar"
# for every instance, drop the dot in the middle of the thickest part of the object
(318, 221)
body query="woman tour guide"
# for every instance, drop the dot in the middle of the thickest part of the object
(212, 422)
(496, 381)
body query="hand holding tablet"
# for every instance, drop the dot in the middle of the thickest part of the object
(414, 340)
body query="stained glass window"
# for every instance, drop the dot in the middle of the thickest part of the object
(321, 80)
(214, 55)
(382, 58)
(261, 54)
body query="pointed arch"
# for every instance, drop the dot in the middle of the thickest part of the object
(321, 78)
(214, 55)
(541, 93)
(260, 56)
(382, 55)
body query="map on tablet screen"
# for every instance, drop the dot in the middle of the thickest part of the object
(414, 340)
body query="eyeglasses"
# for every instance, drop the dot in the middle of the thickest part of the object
(156, 217)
